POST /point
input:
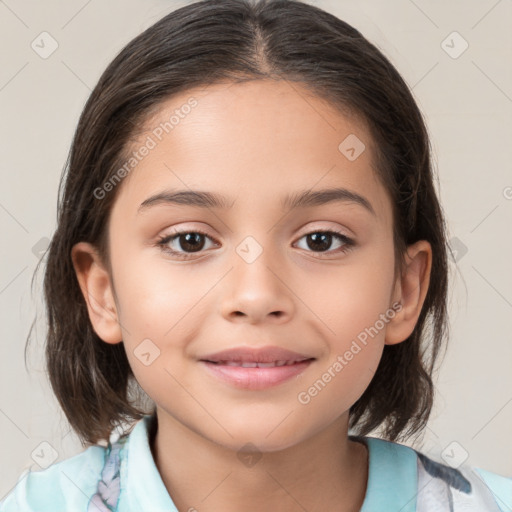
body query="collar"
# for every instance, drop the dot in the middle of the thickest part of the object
(392, 474)
(140, 479)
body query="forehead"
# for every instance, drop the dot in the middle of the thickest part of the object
(258, 140)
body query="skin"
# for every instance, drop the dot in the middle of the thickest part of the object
(254, 142)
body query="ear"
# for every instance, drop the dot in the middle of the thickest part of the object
(97, 290)
(410, 290)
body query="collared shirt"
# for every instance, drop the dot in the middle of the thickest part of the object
(123, 477)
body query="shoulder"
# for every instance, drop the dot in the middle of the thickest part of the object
(499, 485)
(462, 486)
(436, 485)
(66, 485)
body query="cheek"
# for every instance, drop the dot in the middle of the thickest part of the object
(355, 340)
(352, 308)
(161, 304)
(158, 307)
(157, 310)
(350, 299)
(155, 295)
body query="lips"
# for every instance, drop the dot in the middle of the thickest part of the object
(255, 378)
(252, 364)
(264, 357)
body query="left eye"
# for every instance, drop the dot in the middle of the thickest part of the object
(319, 241)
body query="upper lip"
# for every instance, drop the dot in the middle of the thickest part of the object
(268, 354)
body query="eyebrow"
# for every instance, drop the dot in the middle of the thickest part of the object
(302, 199)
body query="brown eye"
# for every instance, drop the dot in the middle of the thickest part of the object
(192, 242)
(321, 241)
(183, 243)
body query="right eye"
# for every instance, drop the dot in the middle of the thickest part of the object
(192, 241)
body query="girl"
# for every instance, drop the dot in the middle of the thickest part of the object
(248, 257)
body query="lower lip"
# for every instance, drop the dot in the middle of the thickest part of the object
(256, 378)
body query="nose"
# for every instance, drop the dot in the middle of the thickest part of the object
(257, 291)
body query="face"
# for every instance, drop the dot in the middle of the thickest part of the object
(316, 278)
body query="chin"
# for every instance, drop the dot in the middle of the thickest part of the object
(249, 441)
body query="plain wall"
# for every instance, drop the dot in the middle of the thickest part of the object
(467, 103)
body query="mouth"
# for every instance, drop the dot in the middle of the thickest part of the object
(252, 375)
(254, 364)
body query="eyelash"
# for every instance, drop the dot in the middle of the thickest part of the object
(164, 240)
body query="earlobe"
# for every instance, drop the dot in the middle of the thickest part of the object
(96, 287)
(411, 290)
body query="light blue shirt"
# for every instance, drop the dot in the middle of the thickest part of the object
(124, 478)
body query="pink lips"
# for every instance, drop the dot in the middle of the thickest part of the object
(256, 378)
(259, 355)
(262, 368)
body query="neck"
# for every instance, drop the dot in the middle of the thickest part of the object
(325, 472)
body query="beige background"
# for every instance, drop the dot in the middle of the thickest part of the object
(467, 102)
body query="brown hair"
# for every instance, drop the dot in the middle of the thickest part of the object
(238, 40)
